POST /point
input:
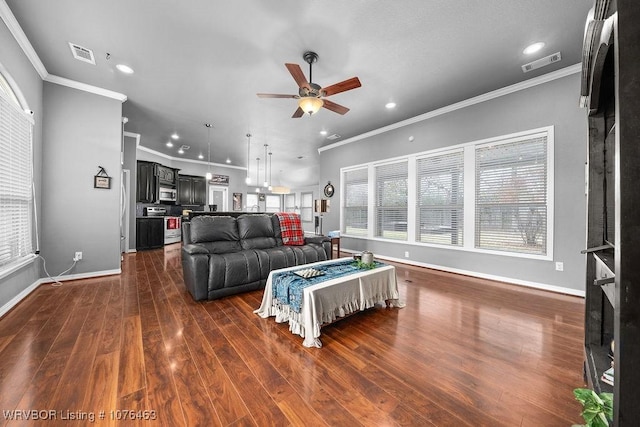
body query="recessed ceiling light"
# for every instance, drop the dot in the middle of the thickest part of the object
(323, 132)
(228, 160)
(200, 156)
(169, 144)
(181, 151)
(175, 136)
(533, 48)
(390, 105)
(124, 68)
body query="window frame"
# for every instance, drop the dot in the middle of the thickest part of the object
(468, 149)
(12, 99)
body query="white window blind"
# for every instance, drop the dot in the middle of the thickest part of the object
(273, 203)
(16, 200)
(440, 191)
(511, 196)
(356, 196)
(290, 202)
(391, 182)
(306, 207)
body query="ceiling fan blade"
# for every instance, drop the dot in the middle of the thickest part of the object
(298, 75)
(299, 113)
(336, 108)
(275, 95)
(348, 84)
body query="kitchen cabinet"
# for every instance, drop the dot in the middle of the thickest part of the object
(192, 190)
(146, 182)
(166, 176)
(149, 233)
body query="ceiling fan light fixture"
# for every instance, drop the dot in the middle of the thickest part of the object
(310, 104)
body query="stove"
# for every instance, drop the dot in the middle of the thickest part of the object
(172, 224)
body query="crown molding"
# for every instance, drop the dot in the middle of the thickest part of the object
(16, 30)
(85, 87)
(545, 78)
(180, 159)
(21, 38)
(136, 136)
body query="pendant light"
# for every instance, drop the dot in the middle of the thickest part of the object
(265, 184)
(209, 175)
(247, 180)
(257, 173)
(270, 169)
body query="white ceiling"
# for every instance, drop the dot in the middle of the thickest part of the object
(203, 61)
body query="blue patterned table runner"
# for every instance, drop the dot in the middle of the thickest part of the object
(287, 287)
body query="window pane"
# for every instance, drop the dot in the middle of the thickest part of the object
(440, 191)
(273, 203)
(306, 208)
(391, 200)
(290, 202)
(511, 196)
(356, 196)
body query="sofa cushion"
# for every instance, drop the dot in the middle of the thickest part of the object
(290, 228)
(256, 231)
(216, 234)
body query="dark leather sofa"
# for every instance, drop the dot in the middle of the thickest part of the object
(224, 255)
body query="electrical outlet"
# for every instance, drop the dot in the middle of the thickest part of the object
(559, 266)
(78, 256)
(406, 254)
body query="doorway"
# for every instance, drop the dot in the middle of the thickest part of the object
(219, 196)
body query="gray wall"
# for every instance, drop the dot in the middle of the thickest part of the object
(553, 103)
(18, 66)
(129, 162)
(82, 131)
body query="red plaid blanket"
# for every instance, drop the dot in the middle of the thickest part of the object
(291, 227)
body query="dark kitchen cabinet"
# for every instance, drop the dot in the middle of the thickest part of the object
(146, 182)
(192, 190)
(166, 176)
(149, 233)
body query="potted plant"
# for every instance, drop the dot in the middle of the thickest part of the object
(597, 410)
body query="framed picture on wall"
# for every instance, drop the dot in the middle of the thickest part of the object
(237, 201)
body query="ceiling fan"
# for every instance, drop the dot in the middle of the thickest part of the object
(311, 96)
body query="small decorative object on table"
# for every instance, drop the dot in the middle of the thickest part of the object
(364, 260)
(308, 273)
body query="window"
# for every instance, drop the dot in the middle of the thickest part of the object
(306, 208)
(440, 194)
(391, 200)
(16, 198)
(252, 203)
(273, 202)
(355, 207)
(290, 202)
(511, 196)
(494, 195)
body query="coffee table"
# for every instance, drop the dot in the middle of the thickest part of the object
(328, 301)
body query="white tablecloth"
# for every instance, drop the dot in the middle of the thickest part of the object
(326, 301)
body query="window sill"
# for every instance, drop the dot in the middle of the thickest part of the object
(16, 265)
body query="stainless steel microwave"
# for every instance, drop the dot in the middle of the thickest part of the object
(166, 194)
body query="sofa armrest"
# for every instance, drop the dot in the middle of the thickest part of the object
(194, 249)
(319, 240)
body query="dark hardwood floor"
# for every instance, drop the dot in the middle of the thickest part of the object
(463, 352)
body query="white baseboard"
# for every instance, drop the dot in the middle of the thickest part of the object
(15, 300)
(510, 280)
(22, 295)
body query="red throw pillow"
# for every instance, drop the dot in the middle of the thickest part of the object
(291, 228)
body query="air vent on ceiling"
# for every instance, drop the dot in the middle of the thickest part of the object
(82, 53)
(542, 62)
(334, 136)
